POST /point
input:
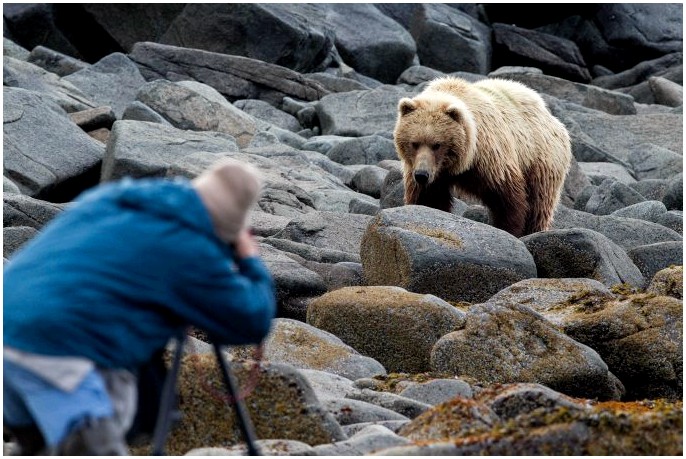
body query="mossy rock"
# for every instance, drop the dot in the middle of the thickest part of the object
(396, 327)
(282, 406)
(669, 282)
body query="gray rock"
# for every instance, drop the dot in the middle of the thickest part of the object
(611, 102)
(672, 219)
(43, 150)
(582, 253)
(344, 274)
(293, 281)
(359, 206)
(639, 73)
(449, 40)
(14, 237)
(190, 109)
(20, 210)
(453, 257)
(647, 210)
(54, 61)
(392, 189)
(328, 385)
(389, 324)
(611, 195)
(141, 149)
(94, 118)
(618, 135)
(575, 182)
(652, 258)
(546, 295)
(668, 282)
(666, 92)
(583, 197)
(138, 111)
(328, 230)
(393, 426)
(400, 404)
(235, 77)
(347, 411)
(555, 56)
(306, 347)
(674, 195)
(375, 111)
(21, 74)
(369, 180)
(418, 74)
(653, 162)
(323, 143)
(265, 447)
(266, 112)
(265, 224)
(438, 391)
(113, 81)
(11, 49)
(370, 439)
(335, 83)
(516, 399)
(9, 187)
(625, 232)
(363, 150)
(651, 189)
(599, 172)
(494, 334)
(310, 252)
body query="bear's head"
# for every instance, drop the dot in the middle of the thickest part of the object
(434, 134)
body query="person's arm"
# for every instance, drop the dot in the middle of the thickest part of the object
(233, 307)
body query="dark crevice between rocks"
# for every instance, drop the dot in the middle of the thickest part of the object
(69, 189)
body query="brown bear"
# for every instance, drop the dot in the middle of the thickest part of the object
(494, 140)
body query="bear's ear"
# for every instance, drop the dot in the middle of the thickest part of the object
(406, 106)
(455, 112)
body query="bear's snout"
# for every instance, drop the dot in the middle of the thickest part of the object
(421, 177)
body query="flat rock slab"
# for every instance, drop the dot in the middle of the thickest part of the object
(426, 250)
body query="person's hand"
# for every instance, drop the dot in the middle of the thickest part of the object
(246, 246)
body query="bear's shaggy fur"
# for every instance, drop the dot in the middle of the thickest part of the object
(494, 140)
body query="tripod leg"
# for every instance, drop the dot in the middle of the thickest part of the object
(164, 416)
(244, 421)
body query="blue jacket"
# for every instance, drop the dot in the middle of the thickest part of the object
(125, 268)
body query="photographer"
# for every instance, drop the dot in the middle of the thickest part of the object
(107, 284)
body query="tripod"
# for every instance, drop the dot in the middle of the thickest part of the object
(167, 413)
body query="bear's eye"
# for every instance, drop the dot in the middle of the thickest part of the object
(435, 146)
(415, 145)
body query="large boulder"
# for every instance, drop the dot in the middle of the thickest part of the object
(45, 153)
(582, 253)
(454, 258)
(652, 258)
(389, 324)
(501, 344)
(235, 77)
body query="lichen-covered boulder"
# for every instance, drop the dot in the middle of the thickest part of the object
(396, 327)
(502, 344)
(304, 346)
(640, 338)
(426, 250)
(669, 281)
(281, 405)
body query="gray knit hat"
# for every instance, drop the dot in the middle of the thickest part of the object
(229, 189)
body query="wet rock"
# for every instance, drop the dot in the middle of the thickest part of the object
(455, 258)
(306, 347)
(514, 344)
(389, 324)
(582, 253)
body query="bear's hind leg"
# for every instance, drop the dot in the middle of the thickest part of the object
(543, 190)
(509, 208)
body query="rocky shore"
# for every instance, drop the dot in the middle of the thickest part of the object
(402, 330)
